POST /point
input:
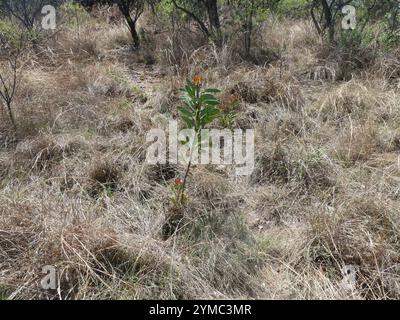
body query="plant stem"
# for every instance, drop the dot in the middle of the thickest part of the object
(180, 200)
(11, 116)
(198, 128)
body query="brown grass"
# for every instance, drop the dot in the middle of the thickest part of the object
(75, 192)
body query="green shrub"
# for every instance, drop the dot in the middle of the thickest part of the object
(292, 8)
(9, 33)
(74, 13)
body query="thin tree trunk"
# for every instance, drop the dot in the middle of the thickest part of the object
(132, 29)
(249, 29)
(11, 115)
(213, 16)
(314, 19)
(125, 9)
(329, 23)
(247, 42)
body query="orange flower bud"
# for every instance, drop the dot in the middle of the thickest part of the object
(178, 182)
(197, 80)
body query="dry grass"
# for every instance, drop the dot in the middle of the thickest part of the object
(75, 192)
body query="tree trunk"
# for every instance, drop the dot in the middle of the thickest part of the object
(247, 39)
(213, 16)
(250, 10)
(11, 115)
(132, 29)
(314, 19)
(124, 7)
(329, 23)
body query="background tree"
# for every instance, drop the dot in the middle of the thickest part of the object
(248, 11)
(326, 14)
(132, 10)
(323, 14)
(388, 12)
(11, 46)
(201, 11)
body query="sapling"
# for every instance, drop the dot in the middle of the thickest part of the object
(201, 107)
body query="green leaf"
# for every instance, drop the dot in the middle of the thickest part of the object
(208, 115)
(212, 91)
(211, 102)
(185, 112)
(190, 88)
(207, 96)
(188, 121)
(189, 103)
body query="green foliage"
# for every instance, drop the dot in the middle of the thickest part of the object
(200, 108)
(13, 37)
(4, 292)
(293, 8)
(165, 7)
(391, 32)
(355, 39)
(9, 33)
(200, 105)
(250, 14)
(381, 18)
(227, 119)
(178, 195)
(228, 112)
(75, 13)
(328, 16)
(257, 10)
(372, 29)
